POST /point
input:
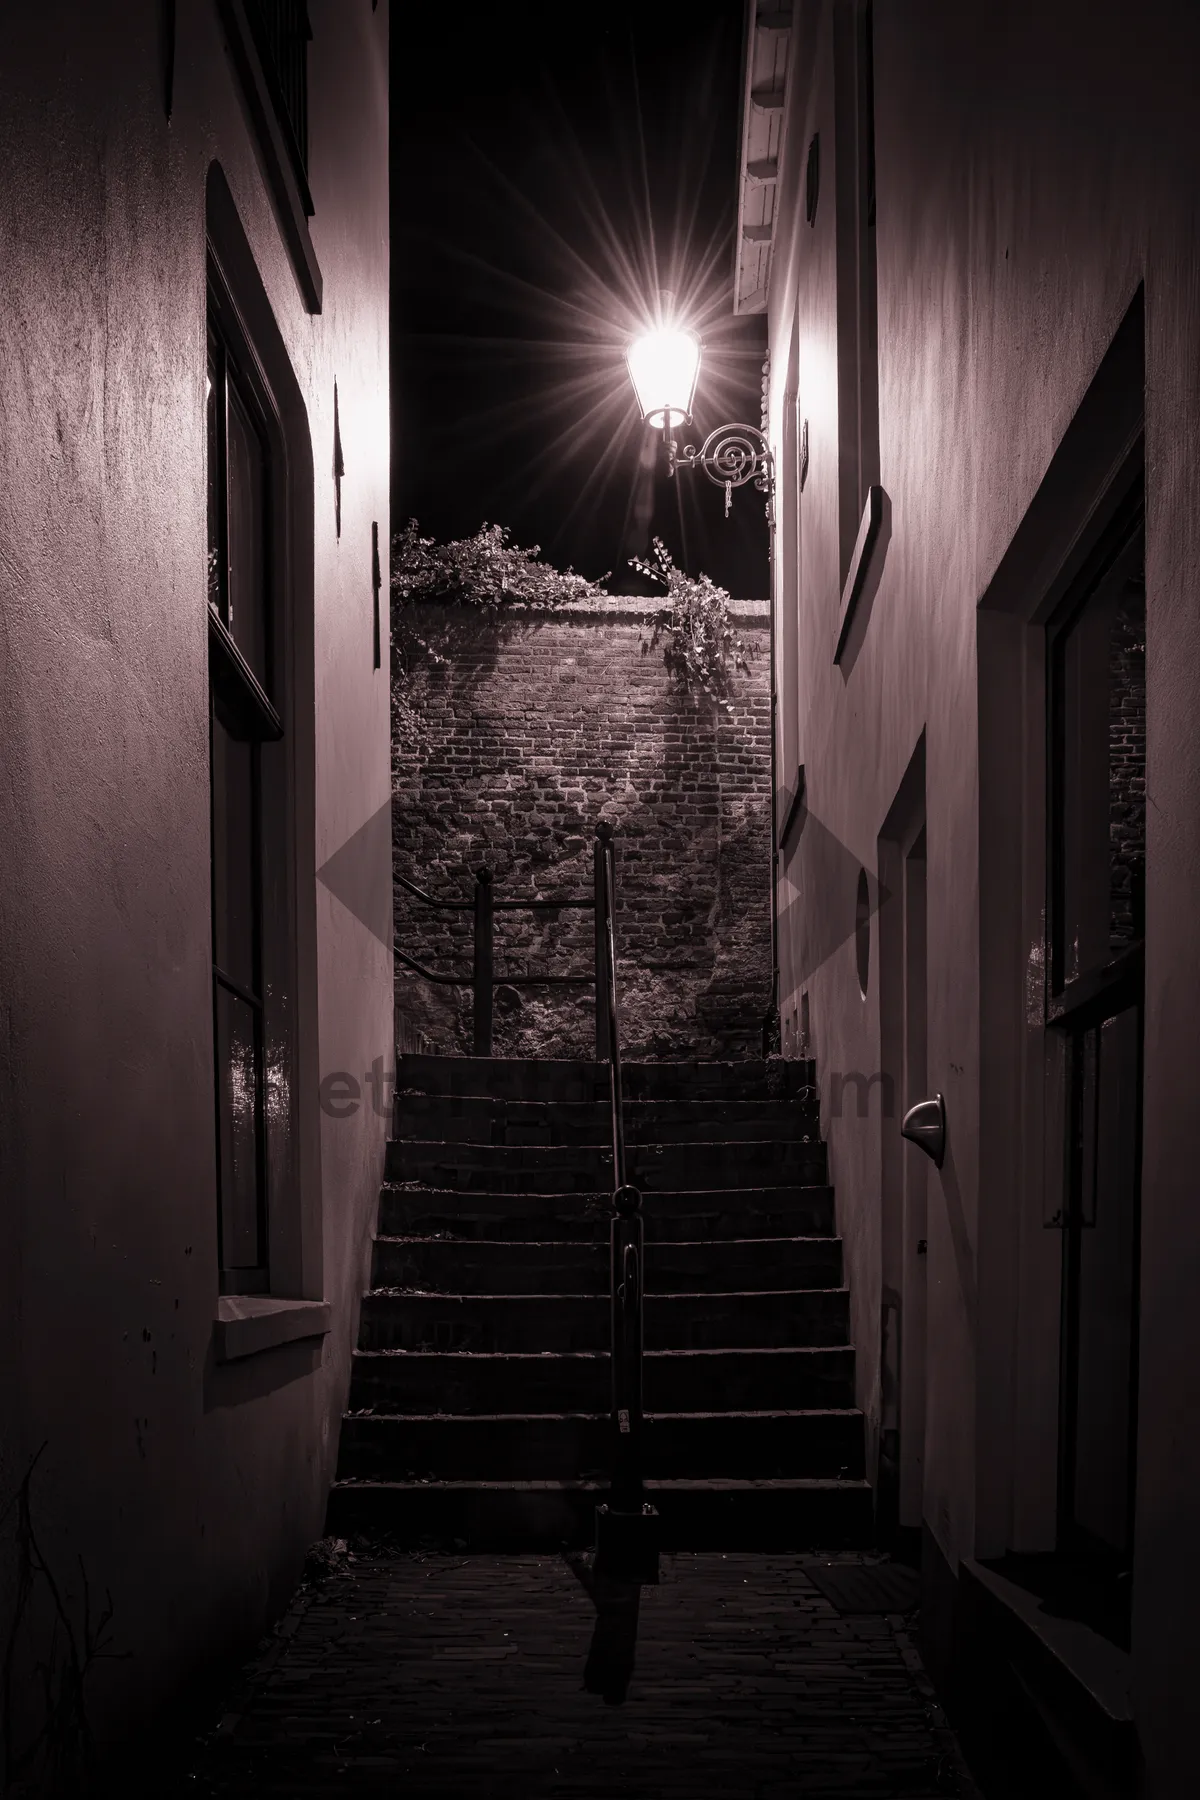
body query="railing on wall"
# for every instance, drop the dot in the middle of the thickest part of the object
(626, 1526)
(484, 979)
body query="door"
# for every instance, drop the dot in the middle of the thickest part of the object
(914, 1260)
(1097, 768)
(903, 1005)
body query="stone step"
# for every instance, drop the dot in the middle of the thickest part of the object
(566, 1446)
(518, 1078)
(480, 1119)
(414, 1381)
(572, 1322)
(438, 1265)
(559, 1168)
(778, 1516)
(658, 1167)
(722, 1213)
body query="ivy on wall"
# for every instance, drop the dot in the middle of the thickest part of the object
(697, 626)
(488, 571)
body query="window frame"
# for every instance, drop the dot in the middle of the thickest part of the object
(252, 711)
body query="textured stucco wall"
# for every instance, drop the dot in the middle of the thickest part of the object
(186, 1488)
(1033, 165)
(531, 732)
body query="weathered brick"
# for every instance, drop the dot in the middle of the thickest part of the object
(536, 729)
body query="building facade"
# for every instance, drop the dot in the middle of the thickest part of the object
(194, 435)
(973, 233)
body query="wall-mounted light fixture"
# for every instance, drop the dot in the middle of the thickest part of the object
(664, 364)
(925, 1126)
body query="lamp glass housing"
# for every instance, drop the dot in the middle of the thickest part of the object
(663, 366)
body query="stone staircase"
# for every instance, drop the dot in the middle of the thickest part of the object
(479, 1399)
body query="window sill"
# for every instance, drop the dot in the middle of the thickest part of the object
(292, 205)
(1070, 1656)
(248, 1323)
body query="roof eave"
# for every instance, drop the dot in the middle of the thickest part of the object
(766, 64)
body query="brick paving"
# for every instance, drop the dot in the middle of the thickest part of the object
(516, 1675)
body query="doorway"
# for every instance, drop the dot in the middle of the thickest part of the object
(1096, 915)
(903, 1001)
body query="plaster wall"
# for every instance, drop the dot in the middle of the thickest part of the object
(1033, 166)
(184, 1487)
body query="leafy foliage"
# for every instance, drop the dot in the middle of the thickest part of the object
(697, 624)
(484, 570)
(488, 570)
(481, 573)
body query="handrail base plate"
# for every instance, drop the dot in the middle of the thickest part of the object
(627, 1544)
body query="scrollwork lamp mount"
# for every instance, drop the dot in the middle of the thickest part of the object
(664, 364)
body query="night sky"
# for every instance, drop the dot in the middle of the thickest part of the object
(553, 170)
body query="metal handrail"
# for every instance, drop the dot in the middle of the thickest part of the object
(606, 892)
(428, 899)
(538, 904)
(502, 980)
(626, 1540)
(484, 977)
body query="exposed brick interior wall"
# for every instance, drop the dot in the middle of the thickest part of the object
(534, 728)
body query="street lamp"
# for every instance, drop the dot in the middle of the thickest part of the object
(664, 364)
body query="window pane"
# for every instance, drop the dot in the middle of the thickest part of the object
(238, 1131)
(213, 415)
(247, 537)
(233, 854)
(1101, 700)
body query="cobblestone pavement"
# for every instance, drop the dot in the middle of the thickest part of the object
(496, 1676)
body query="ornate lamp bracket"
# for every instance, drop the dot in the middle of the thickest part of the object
(730, 456)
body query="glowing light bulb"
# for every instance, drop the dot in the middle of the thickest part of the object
(663, 366)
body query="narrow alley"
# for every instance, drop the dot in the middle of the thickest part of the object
(599, 983)
(495, 1677)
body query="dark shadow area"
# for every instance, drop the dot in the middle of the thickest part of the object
(251, 1377)
(882, 1587)
(613, 1650)
(1092, 1589)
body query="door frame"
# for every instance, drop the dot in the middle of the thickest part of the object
(903, 1040)
(1023, 1059)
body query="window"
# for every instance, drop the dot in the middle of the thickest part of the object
(243, 487)
(857, 302)
(282, 34)
(268, 41)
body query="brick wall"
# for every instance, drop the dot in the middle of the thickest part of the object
(530, 731)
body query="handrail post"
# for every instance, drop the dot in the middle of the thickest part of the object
(483, 963)
(600, 920)
(626, 1527)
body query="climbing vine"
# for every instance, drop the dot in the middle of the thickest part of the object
(481, 574)
(696, 622)
(487, 571)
